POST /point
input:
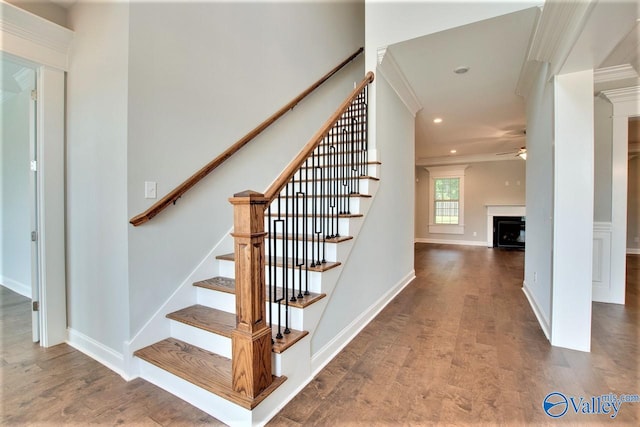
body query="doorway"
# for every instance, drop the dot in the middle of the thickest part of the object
(19, 261)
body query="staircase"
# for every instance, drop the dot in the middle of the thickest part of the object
(241, 348)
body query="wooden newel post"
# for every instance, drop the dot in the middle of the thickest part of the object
(251, 340)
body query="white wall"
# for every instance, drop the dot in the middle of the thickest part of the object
(96, 164)
(573, 210)
(382, 255)
(15, 223)
(201, 75)
(485, 184)
(539, 197)
(603, 143)
(633, 205)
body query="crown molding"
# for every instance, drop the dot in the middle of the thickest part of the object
(557, 30)
(34, 38)
(390, 70)
(461, 160)
(617, 72)
(626, 94)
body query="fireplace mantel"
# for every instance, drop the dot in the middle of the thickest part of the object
(501, 210)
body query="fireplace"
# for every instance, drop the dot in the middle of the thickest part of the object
(508, 231)
(517, 211)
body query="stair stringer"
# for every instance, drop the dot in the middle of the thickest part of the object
(158, 327)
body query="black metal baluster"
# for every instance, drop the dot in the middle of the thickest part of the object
(285, 262)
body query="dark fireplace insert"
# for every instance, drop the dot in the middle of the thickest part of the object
(508, 231)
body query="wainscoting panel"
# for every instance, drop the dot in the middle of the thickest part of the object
(601, 261)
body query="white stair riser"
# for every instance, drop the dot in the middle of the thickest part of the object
(362, 187)
(313, 225)
(200, 338)
(216, 406)
(326, 251)
(215, 299)
(326, 204)
(227, 269)
(210, 298)
(293, 359)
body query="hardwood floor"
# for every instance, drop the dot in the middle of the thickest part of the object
(61, 386)
(458, 346)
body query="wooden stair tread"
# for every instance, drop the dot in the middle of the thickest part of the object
(287, 340)
(229, 287)
(322, 267)
(222, 284)
(202, 368)
(207, 318)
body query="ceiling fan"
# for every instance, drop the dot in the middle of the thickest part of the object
(521, 152)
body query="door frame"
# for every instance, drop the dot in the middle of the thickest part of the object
(46, 46)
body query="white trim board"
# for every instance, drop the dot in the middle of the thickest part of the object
(330, 350)
(15, 286)
(97, 351)
(633, 251)
(451, 242)
(544, 325)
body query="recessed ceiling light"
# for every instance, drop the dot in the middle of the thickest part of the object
(453, 151)
(461, 70)
(437, 120)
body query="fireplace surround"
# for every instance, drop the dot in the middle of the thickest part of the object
(517, 211)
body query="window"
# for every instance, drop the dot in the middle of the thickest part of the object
(446, 199)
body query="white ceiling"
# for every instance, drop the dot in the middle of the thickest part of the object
(480, 110)
(481, 113)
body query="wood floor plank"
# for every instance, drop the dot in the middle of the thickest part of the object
(476, 354)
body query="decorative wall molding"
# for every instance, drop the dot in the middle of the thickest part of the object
(626, 103)
(601, 261)
(33, 38)
(557, 30)
(617, 72)
(390, 70)
(622, 95)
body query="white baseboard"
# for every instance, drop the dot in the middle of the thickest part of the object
(633, 251)
(97, 351)
(321, 358)
(451, 242)
(544, 324)
(17, 287)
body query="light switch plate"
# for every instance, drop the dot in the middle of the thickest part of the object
(150, 190)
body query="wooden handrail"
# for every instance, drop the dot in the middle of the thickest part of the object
(177, 192)
(277, 186)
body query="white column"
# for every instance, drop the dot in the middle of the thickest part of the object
(573, 211)
(52, 216)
